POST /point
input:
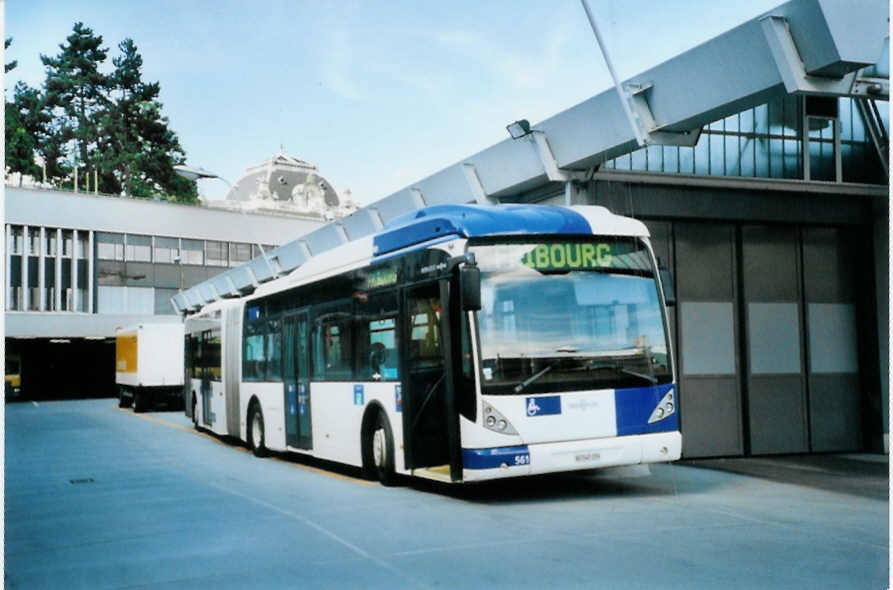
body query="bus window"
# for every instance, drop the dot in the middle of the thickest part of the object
(375, 325)
(425, 331)
(274, 351)
(211, 358)
(331, 350)
(382, 349)
(253, 363)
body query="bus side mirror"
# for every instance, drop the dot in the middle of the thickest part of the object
(666, 279)
(470, 287)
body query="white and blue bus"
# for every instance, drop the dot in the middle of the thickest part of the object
(459, 343)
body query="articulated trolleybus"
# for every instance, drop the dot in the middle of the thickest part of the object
(459, 343)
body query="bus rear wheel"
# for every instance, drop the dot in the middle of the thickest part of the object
(256, 431)
(381, 451)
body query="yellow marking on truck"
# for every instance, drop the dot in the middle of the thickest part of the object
(126, 352)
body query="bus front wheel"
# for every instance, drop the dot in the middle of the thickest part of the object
(382, 451)
(256, 431)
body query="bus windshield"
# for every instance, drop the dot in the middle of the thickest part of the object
(569, 315)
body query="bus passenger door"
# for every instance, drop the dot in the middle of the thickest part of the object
(205, 374)
(426, 441)
(296, 382)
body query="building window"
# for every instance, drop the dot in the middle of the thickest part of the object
(215, 253)
(167, 250)
(239, 254)
(256, 249)
(110, 246)
(192, 252)
(139, 248)
(34, 241)
(135, 300)
(15, 239)
(51, 242)
(14, 299)
(81, 246)
(67, 239)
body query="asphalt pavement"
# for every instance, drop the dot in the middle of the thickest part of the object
(100, 498)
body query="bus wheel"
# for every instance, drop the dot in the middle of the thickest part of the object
(382, 451)
(256, 431)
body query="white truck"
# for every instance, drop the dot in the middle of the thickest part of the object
(149, 365)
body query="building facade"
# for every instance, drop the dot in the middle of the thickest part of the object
(79, 265)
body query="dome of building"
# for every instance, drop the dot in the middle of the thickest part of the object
(287, 184)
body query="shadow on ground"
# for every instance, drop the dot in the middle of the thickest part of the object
(866, 476)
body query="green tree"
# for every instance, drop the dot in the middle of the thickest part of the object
(138, 148)
(11, 65)
(76, 91)
(27, 127)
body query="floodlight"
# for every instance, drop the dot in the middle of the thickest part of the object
(518, 129)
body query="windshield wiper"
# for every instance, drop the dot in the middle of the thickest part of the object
(520, 386)
(621, 369)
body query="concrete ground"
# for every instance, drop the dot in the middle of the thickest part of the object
(100, 498)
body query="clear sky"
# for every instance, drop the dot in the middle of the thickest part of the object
(377, 94)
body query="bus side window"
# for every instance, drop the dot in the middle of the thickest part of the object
(212, 358)
(382, 350)
(332, 345)
(197, 356)
(253, 365)
(424, 331)
(274, 351)
(375, 326)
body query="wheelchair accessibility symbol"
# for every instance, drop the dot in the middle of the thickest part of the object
(543, 406)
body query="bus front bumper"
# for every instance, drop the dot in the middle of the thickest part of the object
(483, 464)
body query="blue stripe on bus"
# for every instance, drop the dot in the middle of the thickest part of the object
(634, 407)
(493, 458)
(477, 220)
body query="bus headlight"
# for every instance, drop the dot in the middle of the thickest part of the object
(496, 422)
(665, 408)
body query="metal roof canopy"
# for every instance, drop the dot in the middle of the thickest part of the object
(802, 46)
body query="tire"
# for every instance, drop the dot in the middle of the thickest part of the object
(124, 401)
(256, 431)
(140, 401)
(380, 443)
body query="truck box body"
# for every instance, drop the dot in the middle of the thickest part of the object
(149, 362)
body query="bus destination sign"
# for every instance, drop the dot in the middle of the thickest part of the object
(569, 256)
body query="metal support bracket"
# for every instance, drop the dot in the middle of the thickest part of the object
(474, 183)
(638, 95)
(777, 32)
(550, 165)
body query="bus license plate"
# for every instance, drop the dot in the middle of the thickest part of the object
(587, 457)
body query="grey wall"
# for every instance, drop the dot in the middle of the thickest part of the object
(126, 215)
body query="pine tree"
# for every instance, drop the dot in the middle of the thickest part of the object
(76, 91)
(138, 147)
(26, 126)
(11, 65)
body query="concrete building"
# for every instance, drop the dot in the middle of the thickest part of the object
(79, 265)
